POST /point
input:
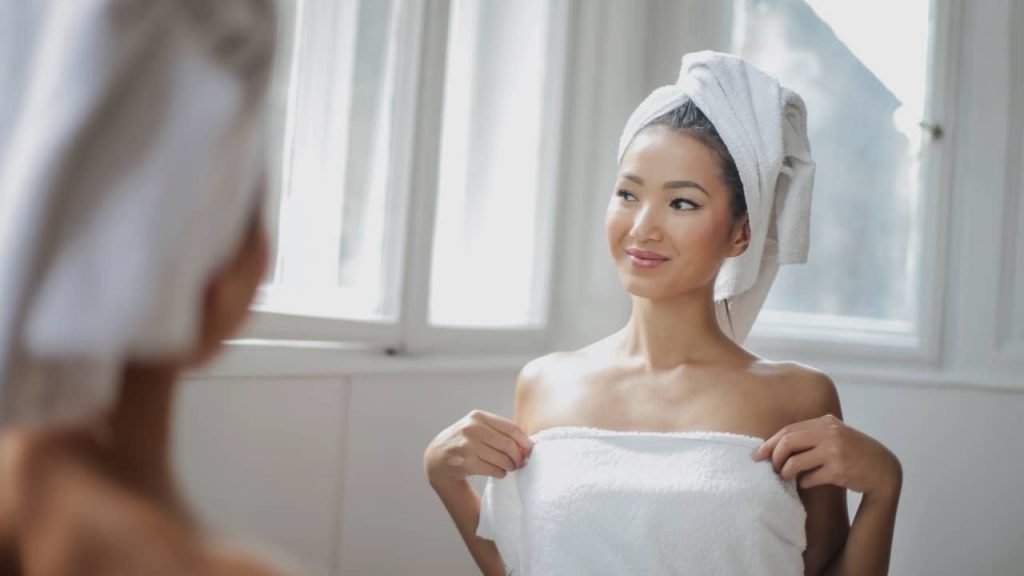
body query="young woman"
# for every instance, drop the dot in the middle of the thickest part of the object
(648, 449)
(99, 496)
(131, 246)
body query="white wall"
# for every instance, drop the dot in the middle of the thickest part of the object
(263, 460)
(960, 510)
(322, 458)
(283, 461)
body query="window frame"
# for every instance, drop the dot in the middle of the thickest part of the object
(419, 335)
(418, 120)
(416, 176)
(807, 336)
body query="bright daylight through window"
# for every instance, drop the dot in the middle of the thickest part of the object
(863, 78)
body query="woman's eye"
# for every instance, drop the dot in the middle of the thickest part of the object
(626, 195)
(683, 204)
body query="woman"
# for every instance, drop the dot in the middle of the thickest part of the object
(98, 496)
(131, 246)
(648, 450)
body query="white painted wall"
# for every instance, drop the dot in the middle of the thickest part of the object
(265, 460)
(321, 457)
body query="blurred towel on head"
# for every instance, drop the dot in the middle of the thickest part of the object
(764, 126)
(131, 171)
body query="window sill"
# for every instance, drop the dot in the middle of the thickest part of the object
(270, 359)
(263, 360)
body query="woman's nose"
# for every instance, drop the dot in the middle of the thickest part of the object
(646, 225)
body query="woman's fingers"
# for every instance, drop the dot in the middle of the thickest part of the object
(791, 443)
(509, 428)
(502, 443)
(825, 450)
(802, 462)
(479, 443)
(813, 424)
(496, 457)
(484, 468)
(817, 477)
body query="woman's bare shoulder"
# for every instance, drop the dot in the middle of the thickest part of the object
(810, 392)
(566, 364)
(540, 372)
(539, 377)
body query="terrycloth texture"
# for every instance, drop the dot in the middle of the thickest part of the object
(764, 126)
(600, 502)
(129, 176)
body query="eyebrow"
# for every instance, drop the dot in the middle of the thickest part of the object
(668, 185)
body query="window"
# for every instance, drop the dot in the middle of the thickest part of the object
(339, 213)
(865, 81)
(362, 233)
(492, 199)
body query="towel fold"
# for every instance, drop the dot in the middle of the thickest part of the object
(764, 127)
(600, 502)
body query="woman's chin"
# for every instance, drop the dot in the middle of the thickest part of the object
(649, 288)
(661, 288)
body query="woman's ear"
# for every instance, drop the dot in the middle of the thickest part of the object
(740, 238)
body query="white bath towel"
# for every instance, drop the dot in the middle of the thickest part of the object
(600, 502)
(130, 174)
(764, 127)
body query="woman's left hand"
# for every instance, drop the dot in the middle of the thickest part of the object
(825, 450)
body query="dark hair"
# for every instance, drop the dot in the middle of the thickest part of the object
(689, 120)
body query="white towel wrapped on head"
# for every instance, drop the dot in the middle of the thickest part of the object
(130, 175)
(764, 127)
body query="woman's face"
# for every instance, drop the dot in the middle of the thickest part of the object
(669, 222)
(231, 291)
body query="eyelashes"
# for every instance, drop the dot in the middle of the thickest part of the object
(683, 204)
(680, 204)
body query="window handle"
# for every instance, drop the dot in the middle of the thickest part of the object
(932, 129)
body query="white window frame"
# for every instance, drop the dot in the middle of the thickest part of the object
(804, 336)
(416, 166)
(810, 338)
(989, 254)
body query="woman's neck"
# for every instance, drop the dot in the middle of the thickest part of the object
(140, 428)
(668, 333)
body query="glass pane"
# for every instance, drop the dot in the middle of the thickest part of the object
(340, 221)
(863, 78)
(491, 199)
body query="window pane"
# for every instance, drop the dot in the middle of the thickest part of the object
(493, 198)
(340, 220)
(863, 78)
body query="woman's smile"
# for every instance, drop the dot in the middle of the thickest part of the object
(645, 258)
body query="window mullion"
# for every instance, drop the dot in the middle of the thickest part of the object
(423, 186)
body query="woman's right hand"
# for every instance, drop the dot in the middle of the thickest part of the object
(479, 443)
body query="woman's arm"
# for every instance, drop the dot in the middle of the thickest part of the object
(828, 526)
(463, 506)
(869, 543)
(481, 443)
(486, 444)
(828, 455)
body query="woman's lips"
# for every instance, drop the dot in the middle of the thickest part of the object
(645, 259)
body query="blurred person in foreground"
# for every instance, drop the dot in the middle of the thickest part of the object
(131, 246)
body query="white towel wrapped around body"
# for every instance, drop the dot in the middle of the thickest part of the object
(600, 502)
